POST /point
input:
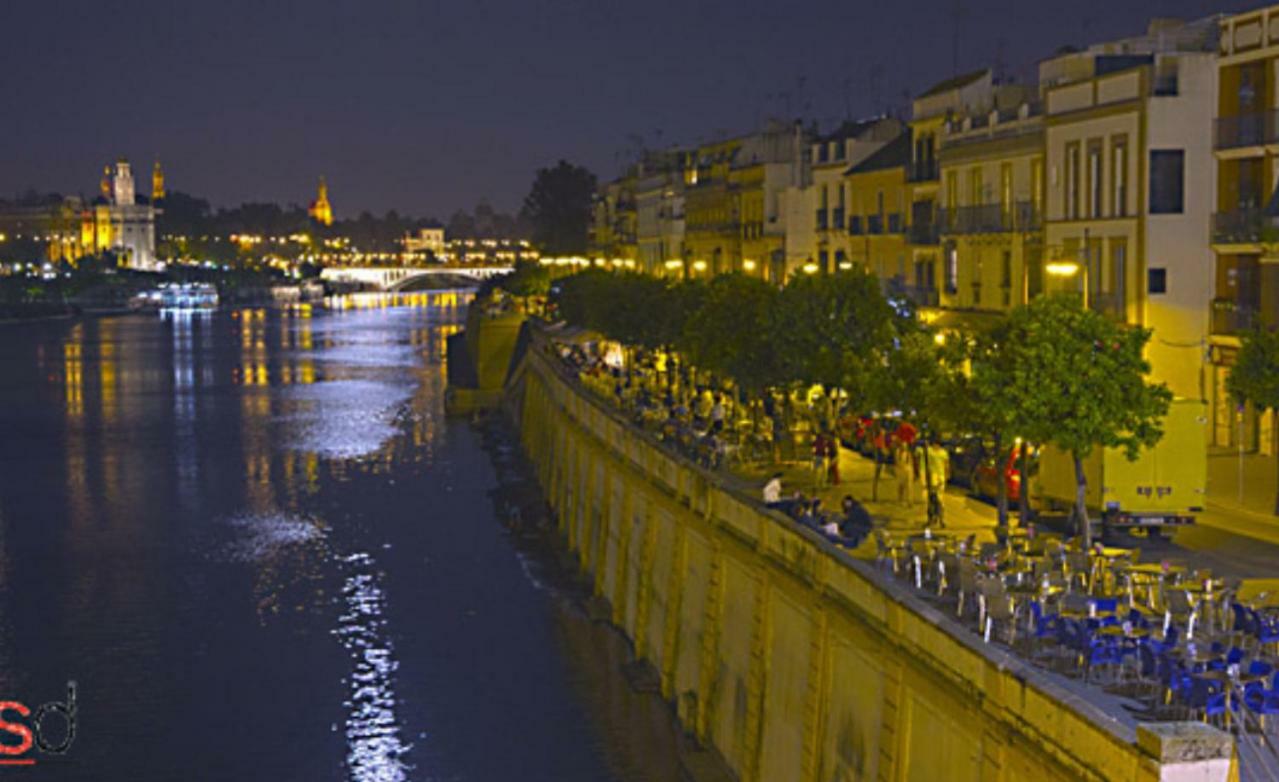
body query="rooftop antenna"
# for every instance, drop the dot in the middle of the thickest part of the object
(1000, 43)
(874, 80)
(959, 14)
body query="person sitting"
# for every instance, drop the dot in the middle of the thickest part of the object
(857, 523)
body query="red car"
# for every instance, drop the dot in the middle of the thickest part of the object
(986, 475)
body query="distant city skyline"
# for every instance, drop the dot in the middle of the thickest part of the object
(427, 108)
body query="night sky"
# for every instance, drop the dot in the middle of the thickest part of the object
(426, 106)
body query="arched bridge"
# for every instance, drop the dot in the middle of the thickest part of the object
(394, 278)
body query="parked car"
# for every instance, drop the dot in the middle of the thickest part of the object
(989, 471)
(966, 453)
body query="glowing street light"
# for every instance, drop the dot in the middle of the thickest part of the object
(1070, 269)
(810, 268)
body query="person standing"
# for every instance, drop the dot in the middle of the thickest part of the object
(717, 415)
(904, 471)
(819, 460)
(832, 459)
(938, 462)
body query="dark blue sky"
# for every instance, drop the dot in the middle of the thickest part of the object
(426, 106)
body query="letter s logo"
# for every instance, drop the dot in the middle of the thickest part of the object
(16, 728)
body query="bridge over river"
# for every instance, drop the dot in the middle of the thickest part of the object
(399, 278)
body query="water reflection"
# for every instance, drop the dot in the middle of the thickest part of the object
(227, 513)
(375, 751)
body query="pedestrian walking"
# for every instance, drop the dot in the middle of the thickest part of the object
(904, 472)
(819, 460)
(938, 462)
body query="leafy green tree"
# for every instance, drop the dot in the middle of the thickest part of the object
(984, 409)
(730, 333)
(558, 207)
(1255, 375)
(921, 376)
(1079, 381)
(527, 280)
(833, 330)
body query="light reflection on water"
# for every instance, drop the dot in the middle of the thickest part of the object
(375, 751)
(267, 513)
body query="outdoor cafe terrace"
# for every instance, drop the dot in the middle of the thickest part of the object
(1147, 641)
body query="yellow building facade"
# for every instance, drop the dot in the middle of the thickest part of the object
(878, 201)
(992, 202)
(1245, 234)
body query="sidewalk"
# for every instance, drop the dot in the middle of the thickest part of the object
(1243, 507)
(962, 513)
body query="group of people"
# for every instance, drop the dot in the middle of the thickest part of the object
(698, 420)
(848, 527)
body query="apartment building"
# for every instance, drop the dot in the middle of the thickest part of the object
(1128, 124)
(992, 201)
(1245, 228)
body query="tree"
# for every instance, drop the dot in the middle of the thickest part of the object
(921, 376)
(730, 333)
(526, 280)
(1255, 375)
(984, 409)
(558, 207)
(1079, 381)
(834, 329)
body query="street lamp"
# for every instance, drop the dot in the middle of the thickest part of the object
(1069, 269)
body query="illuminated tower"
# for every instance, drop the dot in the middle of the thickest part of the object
(320, 211)
(105, 184)
(123, 183)
(157, 183)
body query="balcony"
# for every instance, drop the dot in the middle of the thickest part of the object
(1108, 303)
(837, 218)
(874, 224)
(1027, 217)
(984, 219)
(991, 219)
(894, 222)
(920, 296)
(821, 219)
(854, 225)
(1230, 316)
(924, 232)
(922, 171)
(1247, 130)
(1243, 226)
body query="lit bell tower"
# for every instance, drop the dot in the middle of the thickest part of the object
(320, 211)
(157, 183)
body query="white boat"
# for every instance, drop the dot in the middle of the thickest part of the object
(180, 296)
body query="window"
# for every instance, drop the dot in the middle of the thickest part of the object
(1095, 190)
(976, 194)
(1006, 190)
(1119, 176)
(1158, 281)
(1167, 185)
(1118, 274)
(1037, 184)
(1072, 182)
(951, 279)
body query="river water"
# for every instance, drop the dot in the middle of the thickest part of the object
(260, 550)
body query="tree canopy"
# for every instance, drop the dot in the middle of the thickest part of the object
(558, 208)
(1077, 380)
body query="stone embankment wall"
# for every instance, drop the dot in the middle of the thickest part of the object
(791, 659)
